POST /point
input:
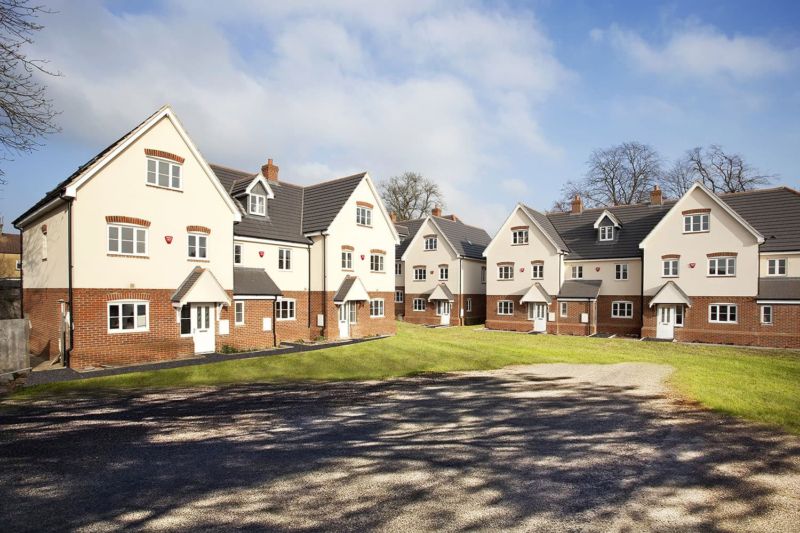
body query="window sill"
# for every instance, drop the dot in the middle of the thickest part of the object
(363, 225)
(199, 260)
(537, 279)
(622, 317)
(696, 232)
(670, 276)
(505, 279)
(347, 270)
(129, 256)
(377, 272)
(720, 276)
(776, 275)
(163, 188)
(519, 244)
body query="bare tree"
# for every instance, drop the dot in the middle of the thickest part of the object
(619, 175)
(25, 112)
(719, 171)
(410, 195)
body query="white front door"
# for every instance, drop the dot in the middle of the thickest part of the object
(203, 327)
(344, 320)
(538, 313)
(665, 321)
(443, 310)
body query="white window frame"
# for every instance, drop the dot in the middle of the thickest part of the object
(505, 308)
(399, 297)
(728, 308)
(198, 237)
(563, 309)
(668, 266)
(418, 271)
(363, 216)
(771, 320)
(483, 275)
(237, 304)
(347, 259)
(119, 228)
(729, 265)
(469, 305)
(188, 308)
(622, 309)
(537, 267)
(285, 259)
(172, 167)
(519, 236)
(621, 271)
(446, 271)
(290, 309)
(135, 304)
(377, 262)
(680, 316)
(606, 233)
(505, 273)
(18, 264)
(237, 253)
(774, 266)
(398, 268)
(260, 207)
(702, 221)
(577, 269)
(419, 308)
(374, 304)
(431, 244)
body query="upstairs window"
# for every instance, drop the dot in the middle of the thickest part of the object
(376, 263)
(163, 173)
(519, 236)
(127, 240)
(431, 243)
(363, 216)
(505, 272)
(444, 272)
(606, 233)
(347, 260)
(198, 246)
(258, 205)
(237, 254)
(398, 268)
(669, 268)
(284, 259)
(483, 274)
(577, 272)
(420, 274)
(537, 271)
(695, 223)
(776, 267)
(722, 266)
(621, 272)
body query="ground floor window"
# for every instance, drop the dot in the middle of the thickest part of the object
(186, 320)
(679, 316)
(766, 314)
(398, 297)
(238, 312)
(419, 304)
(563, 308)
(469, 305)
(353, 308)
(376, 308)
(128, 316)
(505, 307)
(285, 309)
(722, 313)
(622, 310)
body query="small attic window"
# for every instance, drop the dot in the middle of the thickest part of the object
(257, 204)
(606, 233)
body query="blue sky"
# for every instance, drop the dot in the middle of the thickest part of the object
(498, 102)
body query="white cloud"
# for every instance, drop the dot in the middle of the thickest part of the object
(695, 51)
(597, 35)
(325, 89)
(514, 186)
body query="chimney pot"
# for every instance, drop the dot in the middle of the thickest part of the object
(436, 211)
(393, 216)
(270, 170)
(451, 217)
(577, 205)
(656, 196)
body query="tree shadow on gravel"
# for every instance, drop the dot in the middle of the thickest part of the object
(452, 453)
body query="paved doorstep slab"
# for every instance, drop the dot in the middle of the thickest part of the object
(556, 447)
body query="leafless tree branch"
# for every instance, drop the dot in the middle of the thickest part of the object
(410, 195)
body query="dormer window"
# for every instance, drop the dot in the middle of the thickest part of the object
(606, 233)
(163, 173)
(605, 225)
(258, 204)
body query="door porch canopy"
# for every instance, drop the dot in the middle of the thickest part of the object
(200, 286)
(536, 294)
(351, 290)
(671, 294)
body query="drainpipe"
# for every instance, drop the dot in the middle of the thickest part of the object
(68, 351)
(21, 273)
(274, 324)
(461, 311)
(308, 247)
(641, 299)
(324, 288)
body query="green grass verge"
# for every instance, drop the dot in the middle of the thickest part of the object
(760, 385)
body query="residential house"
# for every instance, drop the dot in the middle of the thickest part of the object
(440, 273)
(147, 253)
(698, 268)
(10, 255)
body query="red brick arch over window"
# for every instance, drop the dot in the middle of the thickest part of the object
(120, 219)
(164, 155)
(198, 229)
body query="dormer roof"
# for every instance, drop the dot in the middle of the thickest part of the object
(606, 214)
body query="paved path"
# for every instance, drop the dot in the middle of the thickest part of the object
(554, 447)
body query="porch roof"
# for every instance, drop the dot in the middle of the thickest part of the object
(351, 290)
(671, 293)
(200, 286)
(536, 294)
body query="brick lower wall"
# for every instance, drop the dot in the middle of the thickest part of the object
(251, 334)
(429, 317)
(619, 326)
(42, 308)
(569, 325)
(783, 333)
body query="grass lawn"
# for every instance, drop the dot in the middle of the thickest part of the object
(761, 385)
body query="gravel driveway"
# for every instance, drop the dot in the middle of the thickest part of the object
(555, 447)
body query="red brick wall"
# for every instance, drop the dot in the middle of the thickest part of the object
(399, 308)
(41, 307)
(429, 316)
(365, 325)
(251, 334)
(619, 326)
(783, 333)
(569, 325)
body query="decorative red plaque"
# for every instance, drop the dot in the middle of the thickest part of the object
(168, 238)
(261, 253)
(692, 265)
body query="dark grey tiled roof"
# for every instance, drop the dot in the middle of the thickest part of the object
(468, 241)
(187, 284)
(253, 282)
(411, 229)
(580, 288)
(778, 288)
(547, 226)
(323, 201)
(344, 288)
(775, 213)
(582, 239)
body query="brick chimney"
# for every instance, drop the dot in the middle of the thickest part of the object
(451, 217)
(393, 216)
(436, 211)
(656, 197)
(270, 170)
(577, 205)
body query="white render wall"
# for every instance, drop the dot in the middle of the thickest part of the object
(417, 255)
(605, 270)
(295, 279)
(50, 274)
(792, 263)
